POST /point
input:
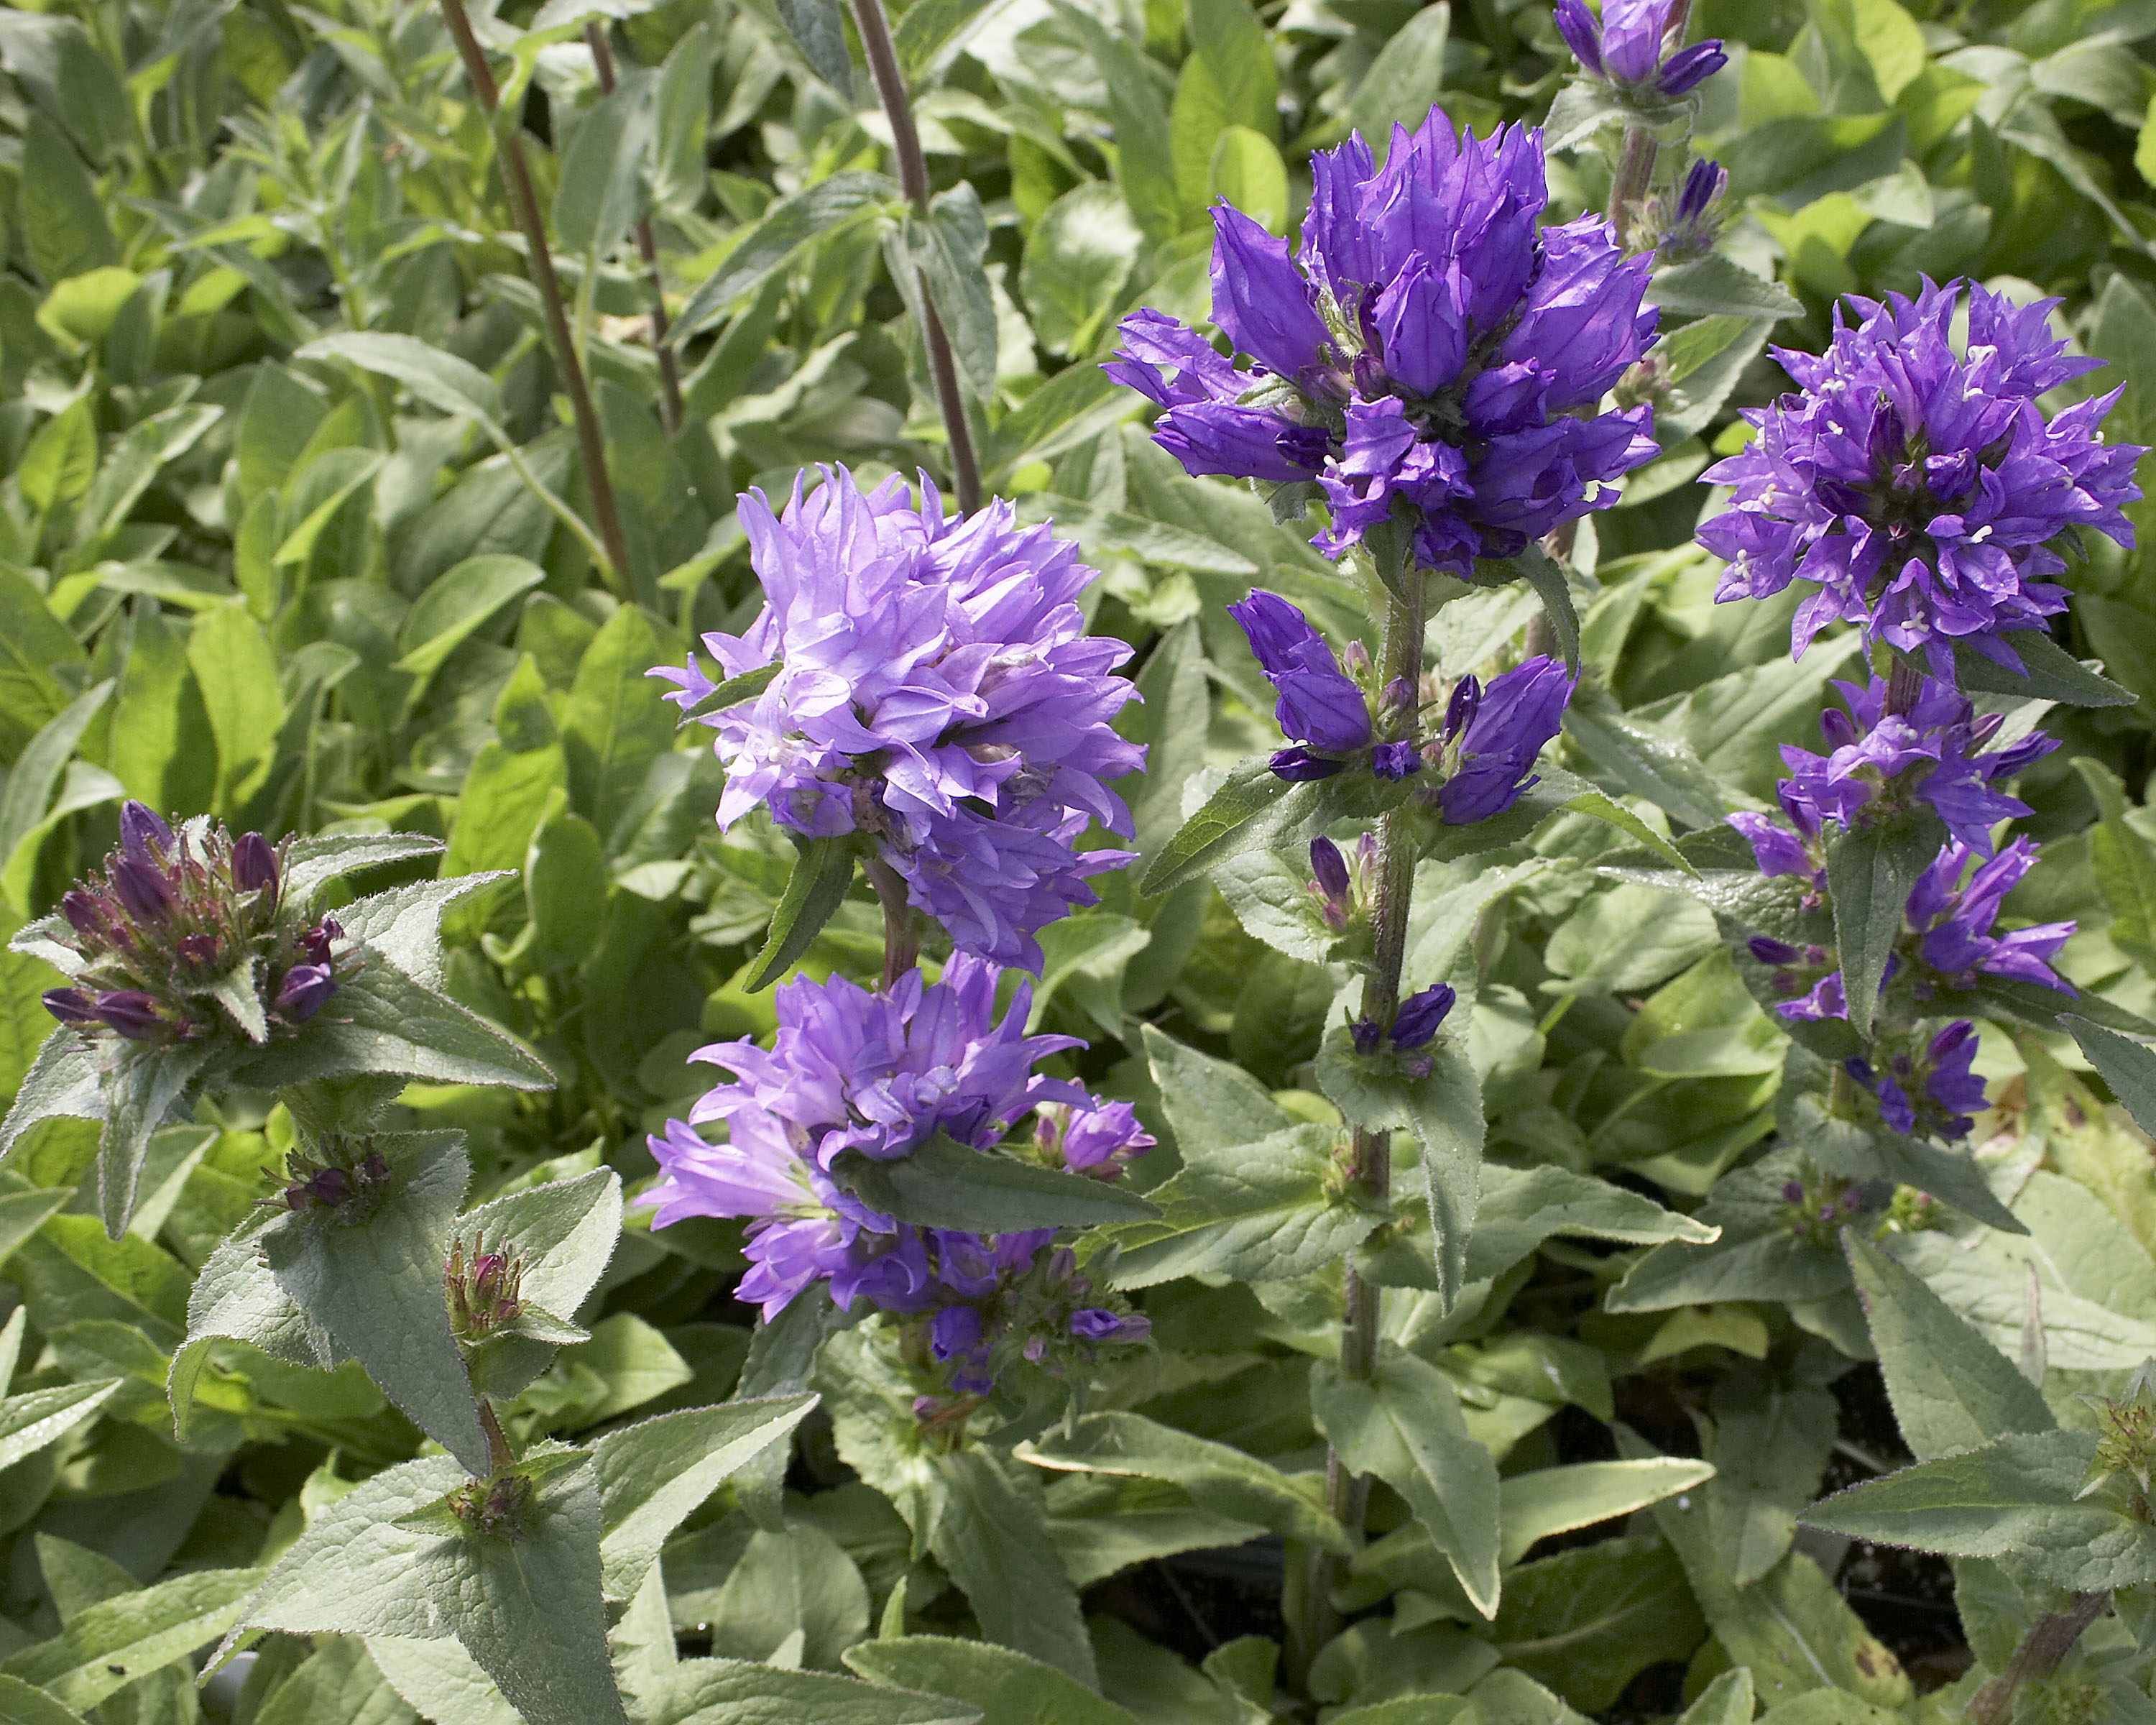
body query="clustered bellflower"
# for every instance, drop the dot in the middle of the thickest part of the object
(1478, 761)
(937, 694)
(1908, 736)
(877, 1073)
(1624, 47)
(1922, 492)
(158, 936)
(1431, 355)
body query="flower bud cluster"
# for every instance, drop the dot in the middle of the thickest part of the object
(1412, 1027)
(346, 1188)
(483, 1291)
(1820, 1207)
(498, 1508)
(172, 920)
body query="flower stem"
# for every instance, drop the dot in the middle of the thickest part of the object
(902, 928)
(2048, 1641)
(497, 1441)
(669, 373)
(913, 175)
(1347, 1493)
(524, 206)
(1635, 156)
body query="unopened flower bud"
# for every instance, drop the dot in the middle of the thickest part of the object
(71, 1006)
(144, 890)
(253, 864)
(1460, 709)
(142, 835)
(130, 1012)
(306, 990)
(1770, 951)
(1329, 867)
(1420, 1015)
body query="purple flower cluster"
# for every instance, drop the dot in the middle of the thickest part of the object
(1425, 358)
(1909, 737)
(174, 915)
(1931, 1090)
(1920, 490)
(1480, 757)
(936, 694)
(1625, 47)
(877, 1074)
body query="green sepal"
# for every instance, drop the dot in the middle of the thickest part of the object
(734, 691)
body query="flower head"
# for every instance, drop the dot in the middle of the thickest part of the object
(936, 694)
(1955, 919)
(1624, 47)
(1923, 491)
(1319, 704)
(1910, 737)
(1421, 357)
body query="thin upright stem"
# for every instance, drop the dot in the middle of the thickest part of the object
(1635, 156)
(498, 1451)
(1347, 1493)
(669, 373)
(2048, 1641)
(902, 927)
(524, 206)
(913, 176)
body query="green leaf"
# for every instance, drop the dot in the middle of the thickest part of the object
(1586, 1622)
(1870, 872)
(529, 1611)
(22, 1214)
(2049, 673)
(823, 871)
(1404, 78)
(790, 1596)
(2015, 1497)
(946, 252)
(726, 1691)
(1520, 1208)
(116, 1641)
(33, 644)
(1077, 258)
(1145, 153)
(237, 673)
(992, 1537)
(1559, 1500)
(817, 212)
(38, 1417)
(1543, 573)
(1770, 1442)
(2129, 1068)
(1951, 1390)
(565, 884)
(652, 1476)
(61, 459)
(615, 722)
(1002, 1684)
(1715, 286)
(818, 30)
(1254, 807)
(313, 861)
(62, 222)
(376, 1285)
(140, 1092)
(24, 1704)
(1217, 1477)
(1404, 1425)
(734, 691)
(1726, 1700)
(457, 603)
(1247, 171)
(1649, 762)
(436, 377)
(942, 1183)
(602, 190)
(2124, 863)
(1211, 1103)
(564, 1232)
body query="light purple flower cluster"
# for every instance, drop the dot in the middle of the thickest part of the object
(1625, 47)
(1426, 355)
(1923, 491)
(1479, 758)
(937, 694)
(172, 917)
(877, 1074)
(1909, 737)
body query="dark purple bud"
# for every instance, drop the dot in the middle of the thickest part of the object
(1329, 867)
(130, 1012)
(1688, 67)
(1887, 444)
(1770, 951)
(1943, 1044)
(253, 864)
(1299, 765)
(306, 990)
(144, 890)
(84, 913)
(331, 1186)
(1096, 1325)
(2004, 763)
(142, 835)
(1460, 709)
(1860, 1069)
(1793, 1191)
(1394, 760)
(1366, 1035)
(71, 1006)
(1399, 694)
(315, 942)
(1850, 1203)
(374, 1168)
(1982, 730)
(1419, 1016)
(1839, 495)
(1703, 182)
(200, 952)
(1581, 33)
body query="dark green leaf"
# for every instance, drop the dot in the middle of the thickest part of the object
(822, 873)
(993, 1539)
(734, 691)
(815, 213)
(1870, 872)
(1002, 1684)
(1255, 806)
(2129, 1068)
(942, 1183)
(2050, 673)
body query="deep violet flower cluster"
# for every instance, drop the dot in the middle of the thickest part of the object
(1908, 736)
(1479, 758)
(1921, 492)
(171, 919)
(877, 1073)
(1425, 357)
(1624, 47)
(936, 694)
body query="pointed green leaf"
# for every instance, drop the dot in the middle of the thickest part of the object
(1870, 873)
(942, 1183)
(993, 1539)
(113, 1643)
(1001, 1683)
(822, 873)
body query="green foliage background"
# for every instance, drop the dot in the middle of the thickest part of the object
(305, 584)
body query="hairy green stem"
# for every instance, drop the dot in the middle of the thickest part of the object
(498, 1451)
(874, 30)
(1635, 156)
(2048, 1640)
(1347, 1493)
(524, 206)
(647, 248)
